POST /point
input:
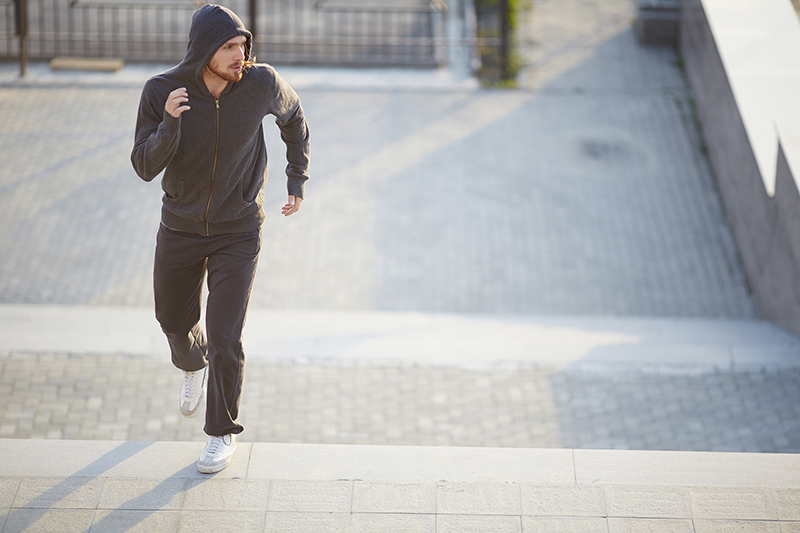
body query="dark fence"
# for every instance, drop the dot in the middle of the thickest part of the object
(339, 32)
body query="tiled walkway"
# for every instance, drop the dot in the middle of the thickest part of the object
(120, 397)
(140, 486)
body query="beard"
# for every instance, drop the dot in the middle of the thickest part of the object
(224, 73)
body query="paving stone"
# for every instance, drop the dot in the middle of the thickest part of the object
(222, 521)
(396, 523)
(586, 409)
(303, 522)
(58, 493)
(307, 496)
(151, 494)
(564, 524)
(49, 520)
(638, 525)
(647, 502)
(739, 526)
(388, 497)
(745, 503)
(227, 494)
(8, 489)
(478, 498)
(575, 501)
(478, 524)
(135, 521)
(787, 503)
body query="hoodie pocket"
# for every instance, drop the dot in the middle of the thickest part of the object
(173, 190)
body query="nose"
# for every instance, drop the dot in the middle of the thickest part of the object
(240, 54)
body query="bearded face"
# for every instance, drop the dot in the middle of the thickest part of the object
(228, 60)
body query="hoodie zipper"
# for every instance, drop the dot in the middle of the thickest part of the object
(213, 171)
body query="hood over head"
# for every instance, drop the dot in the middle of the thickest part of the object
(212, 26)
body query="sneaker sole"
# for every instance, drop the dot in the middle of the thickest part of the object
(214, 468)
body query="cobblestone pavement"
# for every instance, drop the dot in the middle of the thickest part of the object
(119, 397)
(587, 193)
(588, 196)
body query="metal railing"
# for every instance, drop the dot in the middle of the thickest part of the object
(343, 32)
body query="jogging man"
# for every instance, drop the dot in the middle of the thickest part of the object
(201, 124)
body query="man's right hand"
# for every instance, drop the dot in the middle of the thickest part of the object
(174, 101)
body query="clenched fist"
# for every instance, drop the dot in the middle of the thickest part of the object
(174, 101)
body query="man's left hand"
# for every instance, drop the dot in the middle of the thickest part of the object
(292, 206)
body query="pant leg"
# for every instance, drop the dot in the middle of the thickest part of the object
(231, 272)
(178, 274)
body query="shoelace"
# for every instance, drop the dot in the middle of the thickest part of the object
(214, 446)
(188, 384)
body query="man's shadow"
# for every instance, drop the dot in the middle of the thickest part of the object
(21, 518)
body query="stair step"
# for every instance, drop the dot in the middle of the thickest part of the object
(423, 338)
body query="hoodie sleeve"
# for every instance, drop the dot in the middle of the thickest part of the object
(291, 120)
(157, 136)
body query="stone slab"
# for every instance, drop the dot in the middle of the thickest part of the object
(748, 503)
(611, 467)
(84, 461)
(787, 503)
(213, 494)
(393, 497)
(302, 496)
(114, 521)
(221, 521)
(304, 522)
(736, 526)
(396, 523)
(426, 338)
(569, 500)
(478, 498)
(636, 525)
(478, 524)
(647, 501)
(75, 492)
(564, 525)
(410, 463)
(143, 494)
(125, 459)
(49, 520)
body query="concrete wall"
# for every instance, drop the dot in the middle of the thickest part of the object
(741, 60)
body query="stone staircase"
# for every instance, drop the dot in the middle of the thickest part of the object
(140, 485)
(62, 485)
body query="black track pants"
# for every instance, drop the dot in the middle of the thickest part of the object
(181, 263)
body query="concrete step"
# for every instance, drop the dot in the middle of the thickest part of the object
(425, 338)
(147, 486)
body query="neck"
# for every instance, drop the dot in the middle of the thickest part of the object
(214, 83)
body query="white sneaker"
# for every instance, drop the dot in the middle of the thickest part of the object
(217, 454)
(192, 392)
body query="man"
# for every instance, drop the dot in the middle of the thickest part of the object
(201, 123)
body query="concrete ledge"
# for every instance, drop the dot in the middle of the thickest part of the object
(597, 343)
(139, 459)
(740, 61)
(114, 486)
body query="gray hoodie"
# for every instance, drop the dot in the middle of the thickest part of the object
(213, 156)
